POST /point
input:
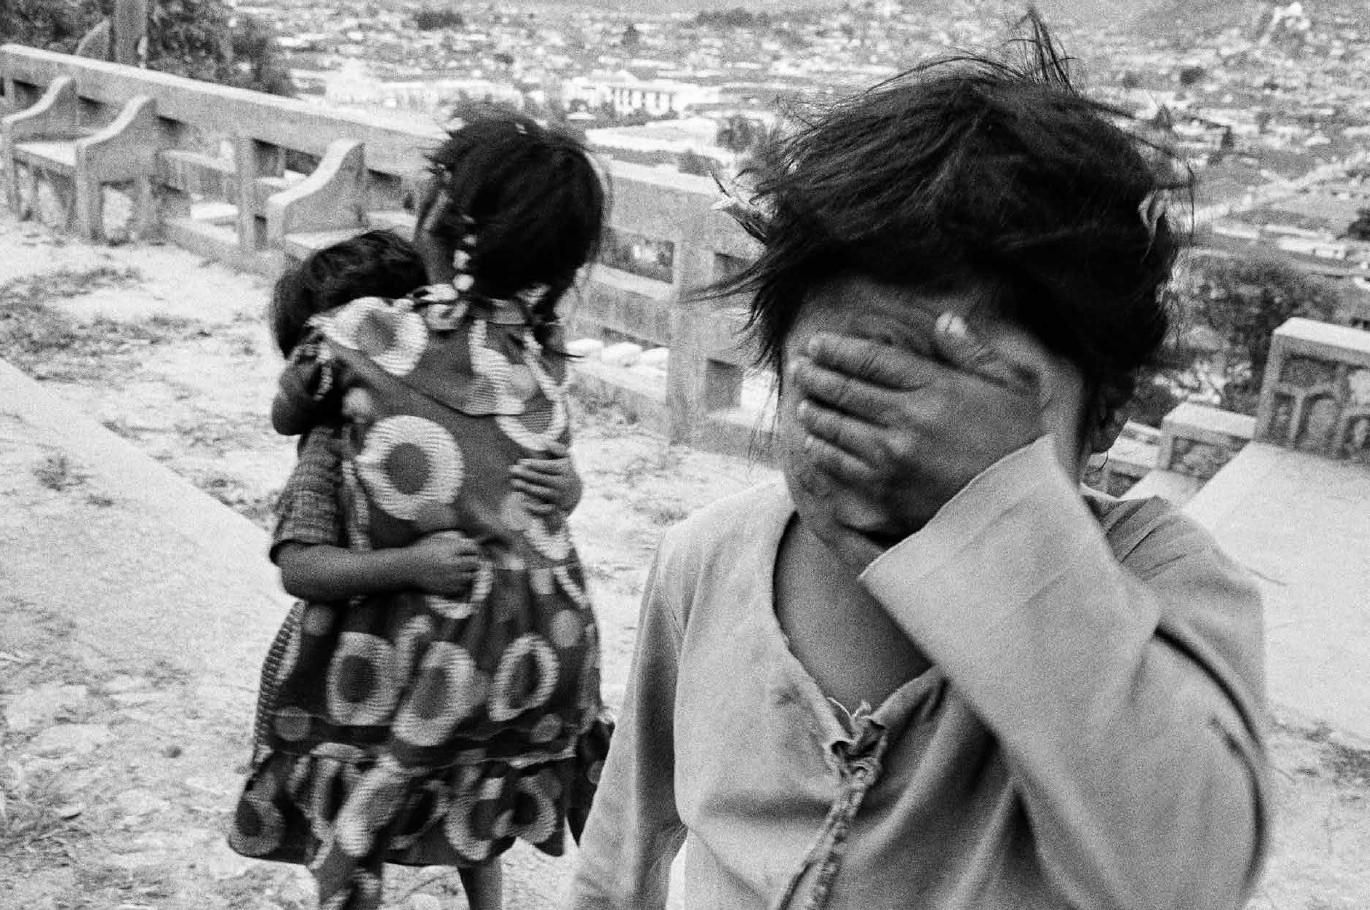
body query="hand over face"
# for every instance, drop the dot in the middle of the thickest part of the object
(890, 434)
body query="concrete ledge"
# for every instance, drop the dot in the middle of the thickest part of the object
(1323, 339)
(155, 565)
(1297, 522)
(1316, 392)
(1198, 440)
(1169, 485)
(1209, 424)
(640, 396)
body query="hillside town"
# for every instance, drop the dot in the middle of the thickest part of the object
(1269, 104)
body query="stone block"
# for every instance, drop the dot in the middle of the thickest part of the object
(1197, 440)
(1316, 394)
(655, 358)
(622, 354)
(584, 347)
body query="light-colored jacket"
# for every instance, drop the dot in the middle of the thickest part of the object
(1089, 737)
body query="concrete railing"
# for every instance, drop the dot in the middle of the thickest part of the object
(251, 179)
(1316, 393)
(1197, 440)
(219, 159)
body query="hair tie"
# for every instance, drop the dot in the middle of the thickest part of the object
(463, 280)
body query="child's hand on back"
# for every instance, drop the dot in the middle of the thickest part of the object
(550, 483)
(443, 563)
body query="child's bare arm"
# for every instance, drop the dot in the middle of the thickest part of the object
(442, 563)
(1133, 725)
(305, 394)
(289, 415)
(551, 483)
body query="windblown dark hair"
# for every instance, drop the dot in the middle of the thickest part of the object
(373, 264)
(972, 170)
(534, 196)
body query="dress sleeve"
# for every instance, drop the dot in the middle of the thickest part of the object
(633, 832)
(1127, 696)
(307, 393)
(308, 510)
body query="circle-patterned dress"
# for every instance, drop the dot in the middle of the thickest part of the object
(409, 727)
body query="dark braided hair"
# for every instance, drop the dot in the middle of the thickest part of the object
(969, 169)
(533, 195)
(372, 264)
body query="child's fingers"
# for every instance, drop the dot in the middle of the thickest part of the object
(535, 490)
(541, 507)
(858, 438)
(871, 362)
(838, 464)
(963, 349)
(558, 449)
(841, 391)
(456, 546)
(530, 469)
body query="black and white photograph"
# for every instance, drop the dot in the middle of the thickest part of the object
(695, 455)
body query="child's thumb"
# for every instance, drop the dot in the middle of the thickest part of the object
(955, 343)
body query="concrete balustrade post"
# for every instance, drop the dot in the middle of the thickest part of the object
(1315, 396)
(253, 161)
(123, 152)
(695, 384)
(129, 32)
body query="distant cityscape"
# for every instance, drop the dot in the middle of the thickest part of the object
(1268, 103)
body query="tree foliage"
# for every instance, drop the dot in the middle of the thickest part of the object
(204, 39)
(55, 25)
(1360, 228)
(737, 17)
(431, 19)
(1192, 75)
(692, 162)
(740, 134)
(1240, 302)
(201, 39)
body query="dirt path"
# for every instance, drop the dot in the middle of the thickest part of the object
(115, 786)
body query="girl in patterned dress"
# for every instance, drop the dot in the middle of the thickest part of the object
(433, 717)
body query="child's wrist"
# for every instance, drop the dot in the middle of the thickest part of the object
(402, 565)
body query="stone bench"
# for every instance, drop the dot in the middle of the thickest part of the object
(265, 220)
(52, 139)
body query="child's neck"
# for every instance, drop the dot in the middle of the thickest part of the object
(839, 633)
